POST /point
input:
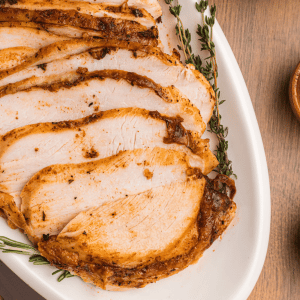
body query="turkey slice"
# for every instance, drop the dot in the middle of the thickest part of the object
(58, 51)
(86, 93)
(45, 12)
(57, 194)
(21, 43)
(64, 22)
(151, 6)
(10, 211)
(65, 32)
(138, 229)
(151, 62)
(12, 57)
(146, 229)
(26, 150)
(27, 37)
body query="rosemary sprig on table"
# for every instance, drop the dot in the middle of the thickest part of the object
(10, 246)
(210, 71)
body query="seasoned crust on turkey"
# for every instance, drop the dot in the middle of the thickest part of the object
(79, 14)
(82, 93)
(57, 194)
(15, 56)
(147, 37)
(152, 6)
(22, 42)
(94, 137)
(215, 214)
(137, 229)
(151, 62)
(93, 20)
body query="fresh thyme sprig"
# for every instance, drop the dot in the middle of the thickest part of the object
(184, 36)
(210, 71)
(10, 246)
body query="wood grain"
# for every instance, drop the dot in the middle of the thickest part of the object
(14, 288)
(265, 38)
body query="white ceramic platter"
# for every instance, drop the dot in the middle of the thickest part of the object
(230, 268)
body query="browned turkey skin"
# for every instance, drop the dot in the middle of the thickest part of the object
(176, 132)
(84, 75)
(216, 212)
(107, 27)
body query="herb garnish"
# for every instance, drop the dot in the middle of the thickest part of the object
(10, 246)
(210, 71)
(46, 237)
(42, 66)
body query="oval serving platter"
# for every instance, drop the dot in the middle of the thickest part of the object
(230, 268)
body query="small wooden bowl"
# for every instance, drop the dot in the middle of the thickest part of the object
(294, 92)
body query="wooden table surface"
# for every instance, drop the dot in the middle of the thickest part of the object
(265, 38)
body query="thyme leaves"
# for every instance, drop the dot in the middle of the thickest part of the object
(209, 70)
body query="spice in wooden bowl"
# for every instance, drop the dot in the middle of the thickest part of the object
(294, 92)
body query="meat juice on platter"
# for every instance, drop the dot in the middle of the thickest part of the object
(102, 161)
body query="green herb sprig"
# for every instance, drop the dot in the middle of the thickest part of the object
(209, 70)
(184, 36)
(10, 246)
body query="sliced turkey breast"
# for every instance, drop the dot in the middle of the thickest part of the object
(151, 6)
(85, 93)
(138, 229)
(26, 150)
(56, 52)
(76, 12)
(65, 32)
(103, 23)
(13, 57)
(137, 223)
(11, 212)
(56, 194)
(151, 62)
(27, 37)
(19, 44)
